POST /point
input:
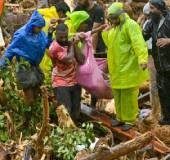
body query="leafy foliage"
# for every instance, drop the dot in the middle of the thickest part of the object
(67, 142)
(23, 115)
(3, 135)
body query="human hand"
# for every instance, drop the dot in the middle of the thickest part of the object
(107, 27)
(78, 37)
(51, 28)
(103, 26)
(75, 39)
(163, 42)
(53, 21)
(141, 19)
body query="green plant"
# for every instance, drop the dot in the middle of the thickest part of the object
(66, 141)
(15, 102)
(3, 135)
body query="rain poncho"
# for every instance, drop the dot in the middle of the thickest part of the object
(46, 64)
(48, 14)
(26, 44)
(126, 51)
(75, 19)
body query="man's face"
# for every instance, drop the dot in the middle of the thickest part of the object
(61, 14)
(154, 11)
(114, 21)
(37, 30)
(62, 37)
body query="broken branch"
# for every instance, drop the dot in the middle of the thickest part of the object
(121, 149)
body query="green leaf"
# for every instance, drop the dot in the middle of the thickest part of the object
(2, 117)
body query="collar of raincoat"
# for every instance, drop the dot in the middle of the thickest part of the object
(78, 17)
(116, 9)
(36, 20)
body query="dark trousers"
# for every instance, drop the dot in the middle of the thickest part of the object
(163, 83)
(70, 97)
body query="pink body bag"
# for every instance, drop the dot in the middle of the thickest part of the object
(90, 74)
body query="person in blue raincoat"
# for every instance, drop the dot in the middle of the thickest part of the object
(28, 46)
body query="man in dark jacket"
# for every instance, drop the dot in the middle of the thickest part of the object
(159, 29)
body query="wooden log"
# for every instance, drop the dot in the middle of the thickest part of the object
(11, 5)
(121, 149)
(154, 98)
(10, 126)
(64, 119)
(44, 131)
(144, 1)
(121, 135)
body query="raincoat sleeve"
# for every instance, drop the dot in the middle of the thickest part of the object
(105, 37)
(11, 51)
(137, 41)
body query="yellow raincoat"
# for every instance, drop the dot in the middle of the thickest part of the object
(126, 51)
(46, 64)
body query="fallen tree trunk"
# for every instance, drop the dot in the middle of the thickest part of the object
(39, 144)
(10, 126)
(121, 149)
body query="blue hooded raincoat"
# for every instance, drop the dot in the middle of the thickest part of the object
(28, 45)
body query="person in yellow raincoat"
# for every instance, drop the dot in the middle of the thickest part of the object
(54, 12)
(127, 63)
(46, 65)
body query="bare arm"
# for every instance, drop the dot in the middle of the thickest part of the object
(80, 58)
(95, 35)
(98, 29)
(69, 57)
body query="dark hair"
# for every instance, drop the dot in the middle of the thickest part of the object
(159, 4)
(89, 23)
(62, 27)
(62, 7)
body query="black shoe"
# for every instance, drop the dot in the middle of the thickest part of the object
(116, 123)
(164, 122)
(126, 127)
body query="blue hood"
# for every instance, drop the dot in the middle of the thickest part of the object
(36, 20)
(28, 45)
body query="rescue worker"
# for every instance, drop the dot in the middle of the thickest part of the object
(127, 62)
